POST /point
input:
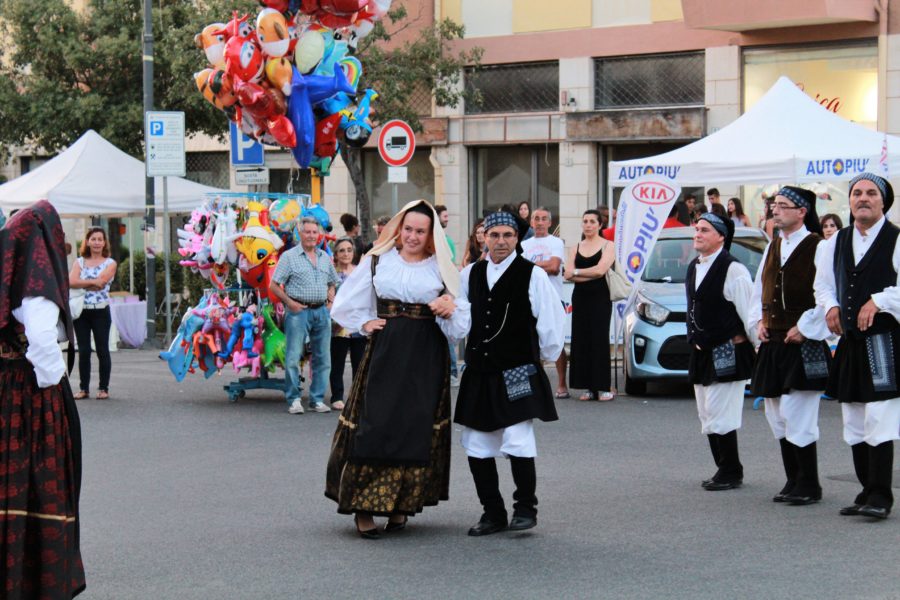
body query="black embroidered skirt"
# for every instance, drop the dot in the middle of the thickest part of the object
(865, 368)
(40, 450)
(779, 368)
(391, 450)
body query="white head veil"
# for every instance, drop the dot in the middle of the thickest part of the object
(391, 233)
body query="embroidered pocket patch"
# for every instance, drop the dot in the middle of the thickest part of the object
(518, 382)
(815, 365)
(724, 359)
(880, 350)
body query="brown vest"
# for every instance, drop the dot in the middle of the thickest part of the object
(787, 292)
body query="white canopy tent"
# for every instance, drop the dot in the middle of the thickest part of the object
(93, 177)
(786, 137)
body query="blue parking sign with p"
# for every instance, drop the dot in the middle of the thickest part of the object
(157, 128)
(245, 150)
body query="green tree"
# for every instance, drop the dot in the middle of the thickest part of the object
(428, 64)
(63, 72)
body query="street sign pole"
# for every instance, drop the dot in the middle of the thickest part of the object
(149, 191)
(168, 243)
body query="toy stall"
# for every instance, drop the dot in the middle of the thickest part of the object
(234, 240)
(288, 78)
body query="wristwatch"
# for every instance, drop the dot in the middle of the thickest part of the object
(575, 272)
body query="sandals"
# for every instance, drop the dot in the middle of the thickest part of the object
(606, 397)
(102, 395)
(562, 395)
(587, 396)
(80, 395)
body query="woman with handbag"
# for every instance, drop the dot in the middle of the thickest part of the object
(93, 272)
(586, 267)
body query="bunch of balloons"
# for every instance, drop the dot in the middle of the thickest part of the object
(221, 234)
(216, 332)
(289, 78)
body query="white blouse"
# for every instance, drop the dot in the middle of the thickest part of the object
(395, 279)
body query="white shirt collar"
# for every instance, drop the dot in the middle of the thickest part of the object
(873, 230)
(503, 265)
(708, 259)
(796, 236)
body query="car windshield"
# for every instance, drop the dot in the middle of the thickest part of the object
(670, 258)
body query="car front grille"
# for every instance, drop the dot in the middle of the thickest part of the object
(675, 354)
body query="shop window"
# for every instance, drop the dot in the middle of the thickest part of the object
(419, 182)
(511, 174)
(208, 168)
(532, 87)
(650, 81)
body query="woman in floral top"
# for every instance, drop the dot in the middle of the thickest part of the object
(342, 340)
(93, 272)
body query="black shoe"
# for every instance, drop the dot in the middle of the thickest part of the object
(487, 527)
(520, 523)
(797, 500)
(392, 526)
(366, 534)
(718, 486)
(706, 482)
(850, 511)
(780, 497)
(876, 512)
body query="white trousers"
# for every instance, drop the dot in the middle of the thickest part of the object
(795, 416)
(515, 440)
(871, 422)
(720, 406)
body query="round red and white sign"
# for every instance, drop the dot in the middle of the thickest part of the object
(396, 143)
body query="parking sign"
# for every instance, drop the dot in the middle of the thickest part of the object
(245, 151)
(164, 143)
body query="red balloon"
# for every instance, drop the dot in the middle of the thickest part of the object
(282, 130)
(326, 135)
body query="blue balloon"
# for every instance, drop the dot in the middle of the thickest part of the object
(307, 90)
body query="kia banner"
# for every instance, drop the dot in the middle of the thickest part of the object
(643, 208)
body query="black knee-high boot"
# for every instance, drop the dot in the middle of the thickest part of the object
(730, 470)
(525, 478)
(861, 466)
(789, 459)
(487, 485)
(808, 490)
(716, 454)
(881, 465)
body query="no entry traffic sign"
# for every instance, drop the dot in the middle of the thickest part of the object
(396, 143)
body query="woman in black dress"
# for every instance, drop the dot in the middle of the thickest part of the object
(591, 311)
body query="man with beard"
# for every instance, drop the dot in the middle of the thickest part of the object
(857, 286)
(792, 365)
(517, 321)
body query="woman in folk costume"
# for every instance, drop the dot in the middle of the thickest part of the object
(40, 436)
(391, 452)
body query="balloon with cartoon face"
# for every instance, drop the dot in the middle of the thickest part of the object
(272, 32)
(212, 41)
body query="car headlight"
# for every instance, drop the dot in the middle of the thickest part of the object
(650, 311)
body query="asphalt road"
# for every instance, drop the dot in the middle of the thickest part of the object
(187, 495)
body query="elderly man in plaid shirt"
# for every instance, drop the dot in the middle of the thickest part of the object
(305, 281)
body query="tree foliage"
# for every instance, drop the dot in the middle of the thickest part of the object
(63, 72)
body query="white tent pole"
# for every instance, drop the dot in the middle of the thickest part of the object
(131, 255)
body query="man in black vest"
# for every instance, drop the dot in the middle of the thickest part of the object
(718, 299)
(856, 284)
(517, 322)
(792, 365)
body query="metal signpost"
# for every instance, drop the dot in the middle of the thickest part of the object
(164, 136)
(396, 145)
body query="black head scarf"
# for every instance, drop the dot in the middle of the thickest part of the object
(887, 191)
(804, 199)
(33, 263)
(725, 227)
(521, 226)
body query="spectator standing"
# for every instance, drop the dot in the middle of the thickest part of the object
(379, 227)
(342, 339)
(351, 225)
(549, 253)
(475, 248)
(93, 272)
(713, 197)
(719, 211)
(736, 213)
(305, 282)
(525, 214)
(39, 426)
(609, 233)
(591, 310)
(831, 224)
(444, 219)
(673, 218)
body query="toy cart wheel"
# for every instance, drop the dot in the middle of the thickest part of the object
(233, 396)
(242, 394)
